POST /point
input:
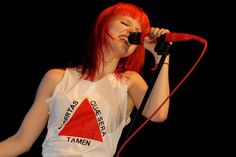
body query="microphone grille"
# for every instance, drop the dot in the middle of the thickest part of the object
(134, 38)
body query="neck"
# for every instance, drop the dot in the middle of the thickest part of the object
(108, 67)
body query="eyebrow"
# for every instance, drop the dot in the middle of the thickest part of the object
(130, 22)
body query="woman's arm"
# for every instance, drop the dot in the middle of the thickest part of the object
(160, 91)
(34, 121)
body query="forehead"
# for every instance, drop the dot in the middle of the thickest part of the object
(131, 21)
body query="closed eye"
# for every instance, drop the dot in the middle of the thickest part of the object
(124, 23)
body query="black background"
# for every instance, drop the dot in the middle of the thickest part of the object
(40, 35)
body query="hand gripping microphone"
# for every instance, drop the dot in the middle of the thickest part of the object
(163, 41)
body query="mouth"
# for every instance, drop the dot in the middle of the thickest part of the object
(125, 41)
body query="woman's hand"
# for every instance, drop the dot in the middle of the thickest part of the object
(149, 41)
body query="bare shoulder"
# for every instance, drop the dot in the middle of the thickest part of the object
(133, 75)
(54, 74)
(133, 78)
(136, 88)
(51, 78)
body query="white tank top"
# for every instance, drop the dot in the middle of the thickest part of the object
(86, 118)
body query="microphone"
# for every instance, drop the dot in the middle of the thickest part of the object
(135, 37)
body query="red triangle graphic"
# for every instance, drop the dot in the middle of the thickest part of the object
(83, 123)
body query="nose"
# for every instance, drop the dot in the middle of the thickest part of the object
(132, 29)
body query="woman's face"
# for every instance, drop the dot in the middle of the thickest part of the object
(119, 29)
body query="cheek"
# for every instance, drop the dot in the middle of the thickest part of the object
(132, 48)
(113, 29)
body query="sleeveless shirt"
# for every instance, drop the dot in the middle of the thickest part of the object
(86, 118)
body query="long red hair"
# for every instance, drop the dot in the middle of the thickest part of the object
(99, 38)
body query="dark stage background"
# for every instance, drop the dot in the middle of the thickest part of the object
(40, 35)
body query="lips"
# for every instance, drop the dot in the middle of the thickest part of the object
(124, 39)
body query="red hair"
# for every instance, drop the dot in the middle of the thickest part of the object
(95, 57)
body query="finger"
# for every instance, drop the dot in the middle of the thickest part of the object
(152, 33)
(156, 32)
(163, 31)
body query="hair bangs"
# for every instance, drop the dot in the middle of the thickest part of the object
(134, 12)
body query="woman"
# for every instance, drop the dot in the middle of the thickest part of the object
(86, 107)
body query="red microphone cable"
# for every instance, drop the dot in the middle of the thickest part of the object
(170, 37)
